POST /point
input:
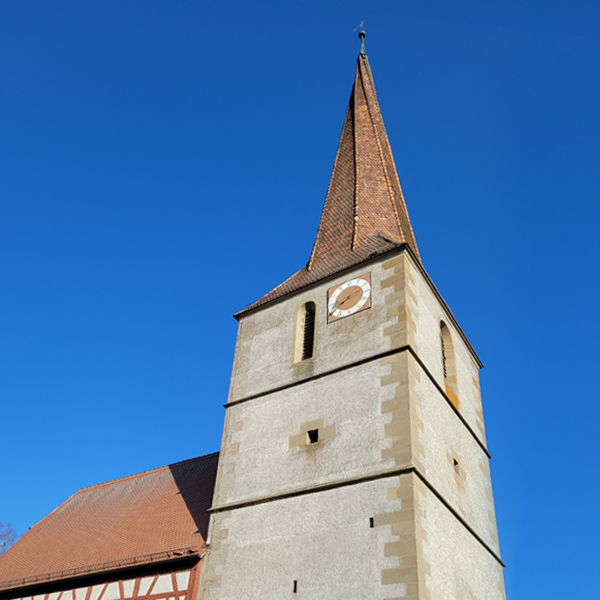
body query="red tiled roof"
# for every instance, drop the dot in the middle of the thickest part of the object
(364, 213)
(144, 518)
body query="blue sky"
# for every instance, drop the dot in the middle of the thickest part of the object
(164, 163)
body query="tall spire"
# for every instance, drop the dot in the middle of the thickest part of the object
(364, 213)
(364, 200)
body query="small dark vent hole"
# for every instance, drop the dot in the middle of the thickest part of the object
(313, 436)
(309, 331)
(371, 522)
(295, 586)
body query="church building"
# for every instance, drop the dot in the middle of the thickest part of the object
(353, 463)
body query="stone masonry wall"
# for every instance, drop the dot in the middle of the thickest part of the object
(394, 499)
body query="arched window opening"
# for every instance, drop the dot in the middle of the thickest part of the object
(308, 342)
(305, 325)
(448, 364)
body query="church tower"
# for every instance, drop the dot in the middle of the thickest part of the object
(354, 463)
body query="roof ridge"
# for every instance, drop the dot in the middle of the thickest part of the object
(103, 483)
(186, 460)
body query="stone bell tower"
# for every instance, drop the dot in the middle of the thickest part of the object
(354, 462)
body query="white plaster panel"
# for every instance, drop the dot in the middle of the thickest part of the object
(163, 584)
(145, 584)
(183, 580)
(266, 337)
(322, 540)
(96, 591)
(443, 433)
(112, 591)
(128, 587)
(264, 464)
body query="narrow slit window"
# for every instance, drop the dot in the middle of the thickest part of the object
(295, 586)
(308, 342)
(372, 522)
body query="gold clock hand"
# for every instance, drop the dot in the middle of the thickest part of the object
(342, 300)
(354, 292)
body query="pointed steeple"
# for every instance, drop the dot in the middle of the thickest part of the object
(364, 200)
(364, 213)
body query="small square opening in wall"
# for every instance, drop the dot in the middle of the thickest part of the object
(313, 436)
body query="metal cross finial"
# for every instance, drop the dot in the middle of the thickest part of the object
(362, 34)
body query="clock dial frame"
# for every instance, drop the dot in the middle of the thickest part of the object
(349, 298)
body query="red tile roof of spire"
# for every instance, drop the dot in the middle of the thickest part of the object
(364, 213)
(144, 518)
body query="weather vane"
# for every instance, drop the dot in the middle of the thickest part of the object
(362, 34)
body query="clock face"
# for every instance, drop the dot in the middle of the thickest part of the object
(349, 298)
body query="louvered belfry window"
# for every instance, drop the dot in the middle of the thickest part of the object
(444, 358)
(308, 344)
(449, 364)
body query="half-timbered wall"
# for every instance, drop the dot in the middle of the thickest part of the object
(179, 585)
